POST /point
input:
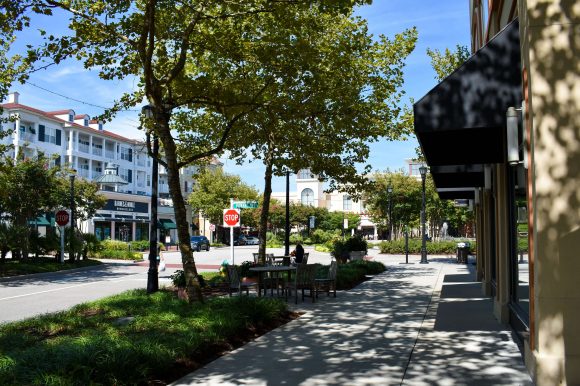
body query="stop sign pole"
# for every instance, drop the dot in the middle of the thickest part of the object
(62, 218)
(231, 219)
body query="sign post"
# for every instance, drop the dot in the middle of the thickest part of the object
(62, 218)
(232, 219)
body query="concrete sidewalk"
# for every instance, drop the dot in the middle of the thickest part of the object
(413, 325)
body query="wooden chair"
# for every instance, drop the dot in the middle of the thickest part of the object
(304, 259)
(234, 282)
(304, 280)
(329, 283)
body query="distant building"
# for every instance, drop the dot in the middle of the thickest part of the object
(310, 191)
(83, 144)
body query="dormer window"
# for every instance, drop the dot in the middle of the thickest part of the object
(71, 116)
(100, 125)
(86, 122)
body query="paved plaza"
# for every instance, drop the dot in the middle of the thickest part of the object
(412, 325)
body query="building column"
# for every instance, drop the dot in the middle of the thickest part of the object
(487, 243)
(71, 143)
(550, 31)
(16, 141)
(503, 251)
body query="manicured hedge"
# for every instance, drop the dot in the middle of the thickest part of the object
(437, 248)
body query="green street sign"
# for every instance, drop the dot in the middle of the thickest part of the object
(245, 204)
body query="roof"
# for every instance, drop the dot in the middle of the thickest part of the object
(52, 116)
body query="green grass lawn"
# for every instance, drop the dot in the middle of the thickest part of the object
(131, 338)
(43, 264)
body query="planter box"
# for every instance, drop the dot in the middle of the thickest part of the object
(356, 255)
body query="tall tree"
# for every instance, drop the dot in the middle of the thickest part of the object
(191, 57)
(444, 63)
(213, 190)
(336, 90)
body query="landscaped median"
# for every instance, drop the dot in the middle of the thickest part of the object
(131, 338)
(135, 338)
(18, 267)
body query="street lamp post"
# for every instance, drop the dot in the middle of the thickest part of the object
(423, 171)
(72, 215)
(287, 223)
(152, 273)
(390, 191)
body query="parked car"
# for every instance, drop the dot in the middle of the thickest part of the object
(199, 242)
(241, 240)
(252, 240)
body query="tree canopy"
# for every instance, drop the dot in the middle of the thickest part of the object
(213, 190)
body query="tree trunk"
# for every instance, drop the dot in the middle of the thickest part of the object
(191, 276)
(263, 226)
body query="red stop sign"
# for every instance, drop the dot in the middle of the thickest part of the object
(62, 217)
(231, 217)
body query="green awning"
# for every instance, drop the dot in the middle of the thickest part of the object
(41, 221)
(166, 223)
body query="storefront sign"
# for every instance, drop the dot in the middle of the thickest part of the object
(126, 206)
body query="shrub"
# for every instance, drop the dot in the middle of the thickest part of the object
(435, 248)
(353, 273)
(178, 278)
(244, 269)
(320, 236)
(296, 238)
(356, 243)
(141, 245)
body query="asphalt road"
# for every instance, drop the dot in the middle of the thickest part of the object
(27, 296)
(24, 297)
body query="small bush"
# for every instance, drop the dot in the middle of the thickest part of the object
(353, 273)
(178, 278)
(141, 245)
(296, 238)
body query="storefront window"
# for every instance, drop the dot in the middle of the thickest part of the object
(123, 231)
(103, 230)
(519, 260)
(141, 231)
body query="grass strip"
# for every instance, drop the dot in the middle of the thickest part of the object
(131, 338)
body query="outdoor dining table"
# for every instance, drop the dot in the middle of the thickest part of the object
(273, 269)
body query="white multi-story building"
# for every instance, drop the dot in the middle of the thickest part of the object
(84, 145)
(310, 191)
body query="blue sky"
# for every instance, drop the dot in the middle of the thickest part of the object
(441, 24)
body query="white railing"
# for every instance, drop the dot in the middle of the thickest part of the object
(97, 151)
(110, 154)
(83, 173)
(84, 148)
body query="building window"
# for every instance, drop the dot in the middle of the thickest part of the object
(148, 180)
(305, 174)
(346, 202)
(307, 197)
(71, 117)
(126, 154)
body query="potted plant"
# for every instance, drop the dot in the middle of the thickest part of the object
(178, 280)
(357, 247)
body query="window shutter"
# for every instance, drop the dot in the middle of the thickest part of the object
(130, 175)
(57, 161)
(58, 139)
(41, 133)
(130, 155)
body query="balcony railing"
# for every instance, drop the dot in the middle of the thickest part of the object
(97, 151)
(110, 154)
(84, 148)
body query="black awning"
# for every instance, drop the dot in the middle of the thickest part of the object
(455, 176)
(462, 120)
(456, 193)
